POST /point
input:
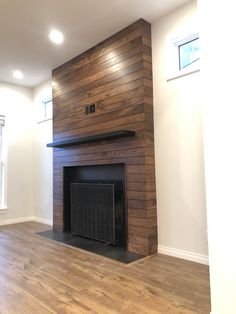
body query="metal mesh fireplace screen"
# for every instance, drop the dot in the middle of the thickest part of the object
(93, 211)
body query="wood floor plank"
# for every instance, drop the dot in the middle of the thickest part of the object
(38, 275)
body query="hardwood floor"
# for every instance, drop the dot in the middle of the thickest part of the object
(38, 275)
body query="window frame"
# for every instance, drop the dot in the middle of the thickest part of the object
(179, 52)
(3, 165)
(43, 114)
(173, 45)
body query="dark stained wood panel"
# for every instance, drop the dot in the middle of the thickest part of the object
(116, 75)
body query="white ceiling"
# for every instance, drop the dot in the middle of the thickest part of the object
(25, 24)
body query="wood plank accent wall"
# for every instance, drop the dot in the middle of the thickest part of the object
(117, 76)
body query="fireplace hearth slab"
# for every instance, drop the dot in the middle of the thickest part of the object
(117, 253)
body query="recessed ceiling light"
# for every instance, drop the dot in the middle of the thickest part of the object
(56, 37)
(18, 74)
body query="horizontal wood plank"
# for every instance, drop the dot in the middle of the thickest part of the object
(116, 76)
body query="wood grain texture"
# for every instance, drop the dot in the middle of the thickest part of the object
(116, 75)
(38, 275)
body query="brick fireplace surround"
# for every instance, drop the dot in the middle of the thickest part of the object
(116, 76)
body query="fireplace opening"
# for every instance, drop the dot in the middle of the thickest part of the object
(94, 203)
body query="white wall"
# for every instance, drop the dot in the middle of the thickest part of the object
(29, 161)
(178, 142)
(218, 71)
(43, 164)
(16, 105)
(182, 228)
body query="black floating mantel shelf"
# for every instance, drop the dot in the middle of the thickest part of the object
(92, 138)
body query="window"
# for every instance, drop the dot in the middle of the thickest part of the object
(45, 110)
(2, 162)
(183, 55)
(188, 53)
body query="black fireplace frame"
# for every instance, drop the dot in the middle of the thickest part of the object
(103, 173)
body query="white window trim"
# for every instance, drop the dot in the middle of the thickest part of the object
(3, 210)
(44, 117)
(3, 206)
(41, 121)
(172, 56)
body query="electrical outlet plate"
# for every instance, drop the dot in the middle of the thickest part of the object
(92, 108)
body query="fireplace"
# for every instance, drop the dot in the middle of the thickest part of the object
(110, 147)
(94, 202)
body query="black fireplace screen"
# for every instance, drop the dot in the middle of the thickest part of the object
(93, 211)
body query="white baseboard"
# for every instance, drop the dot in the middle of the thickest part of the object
(188, 255)
(25, 219)
(43, 221)
(15, 220)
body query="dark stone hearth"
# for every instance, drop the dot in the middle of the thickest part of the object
(117, 253)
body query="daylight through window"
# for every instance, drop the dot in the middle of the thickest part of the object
(188, 53)
(2, 124)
